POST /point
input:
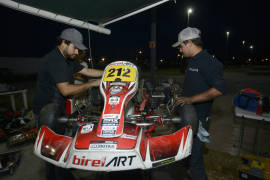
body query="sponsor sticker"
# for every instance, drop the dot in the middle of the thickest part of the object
(161, 163)
(87, 128)
(110, 120)
(116, 161)
(106, 128)
(116, 89)
(116, 63)
(111, 116)
(103, 145)
(114, 100)
(108, 133)
(121, 161)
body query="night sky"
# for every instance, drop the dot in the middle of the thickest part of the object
(24, 35)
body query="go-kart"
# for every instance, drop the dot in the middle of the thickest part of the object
(122, 139)
(9, 161)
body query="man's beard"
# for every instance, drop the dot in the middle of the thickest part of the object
(68, 56)
(72, 56)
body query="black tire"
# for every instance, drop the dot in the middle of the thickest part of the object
(13, 140)
(147, 174)
(189, 117)
(11, 170)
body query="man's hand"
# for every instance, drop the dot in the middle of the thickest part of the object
(67, 89)
(95, 83)
(202, 97)
(183, 100)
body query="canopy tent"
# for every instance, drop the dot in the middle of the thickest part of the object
(89, 14)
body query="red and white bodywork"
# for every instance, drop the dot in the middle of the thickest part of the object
(113, 144)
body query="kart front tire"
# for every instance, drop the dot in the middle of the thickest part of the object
(11, 170)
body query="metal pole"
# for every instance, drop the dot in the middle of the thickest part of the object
(187, 19)
(153, 46)
(227, 45)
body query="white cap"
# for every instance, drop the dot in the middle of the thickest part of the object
(187, 34)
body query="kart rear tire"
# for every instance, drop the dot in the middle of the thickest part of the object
(11, 170)
(12, 140)
(189, 117)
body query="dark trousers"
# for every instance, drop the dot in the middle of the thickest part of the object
(36, 117)
(57, 173)
(196, 164)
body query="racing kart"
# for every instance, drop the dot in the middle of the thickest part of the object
(123, 137)
(9, 161)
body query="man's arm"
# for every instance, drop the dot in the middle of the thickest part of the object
(79, 77)
(202, 97)
(67, 89)
(91, 72)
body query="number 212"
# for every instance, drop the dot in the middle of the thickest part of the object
(119, 72)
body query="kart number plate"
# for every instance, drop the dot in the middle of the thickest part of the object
(123, 72)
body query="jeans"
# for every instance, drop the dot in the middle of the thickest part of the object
(36, 117)
(196, 163)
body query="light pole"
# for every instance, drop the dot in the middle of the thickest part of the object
(243, 51)
(251, 47)
(227, 35)
(227, 43)
(189, 11)
(139, 56)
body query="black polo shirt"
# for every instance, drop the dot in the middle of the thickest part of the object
(54, 69)
(203, 72)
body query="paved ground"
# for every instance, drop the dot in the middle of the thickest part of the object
(224, 132)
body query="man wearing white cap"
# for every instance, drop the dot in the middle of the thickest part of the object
(203, 82)
(55, 84)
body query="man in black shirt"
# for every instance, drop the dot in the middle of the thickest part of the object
(55, 84)
(203, 82)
